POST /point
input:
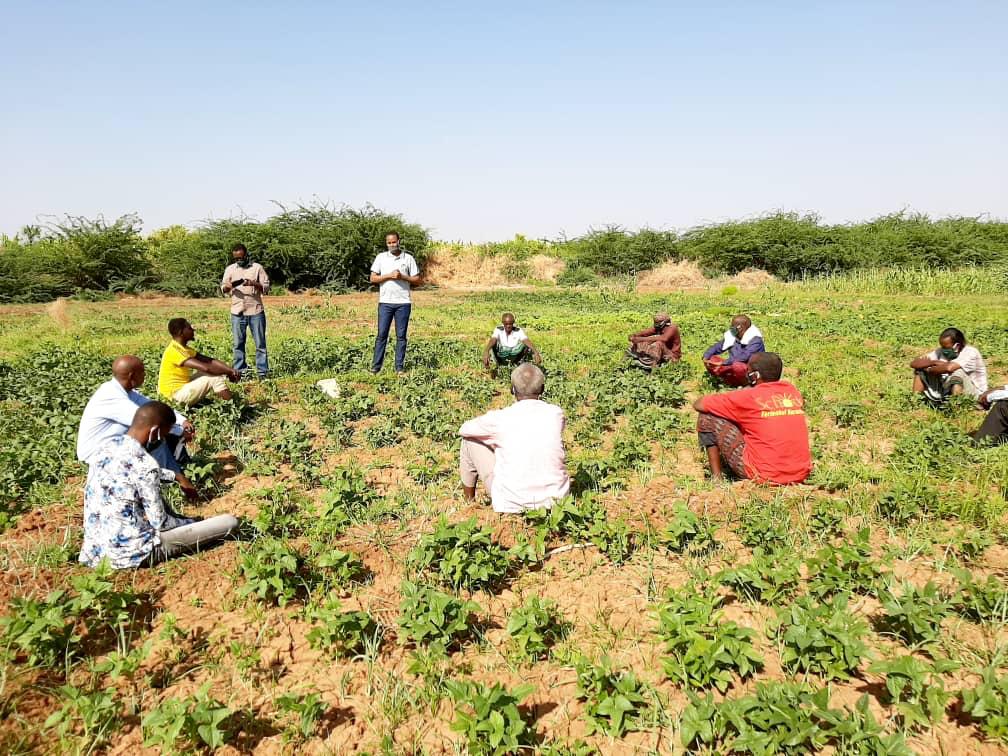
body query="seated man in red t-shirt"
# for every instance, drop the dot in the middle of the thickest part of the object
(759, 432)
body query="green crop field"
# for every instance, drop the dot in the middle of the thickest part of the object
(368, 608)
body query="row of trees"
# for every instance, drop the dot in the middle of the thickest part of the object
(323, 247)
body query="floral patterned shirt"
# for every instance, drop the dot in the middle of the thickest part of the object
(123, 511)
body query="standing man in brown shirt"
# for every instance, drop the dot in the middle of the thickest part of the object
(246, 282)
(656, 346)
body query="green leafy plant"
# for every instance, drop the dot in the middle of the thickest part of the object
(334, 567)
(845, 568)
(987, 704)
(915, 689)
(535, 627)
(779, 717)
(765, 527)
(915, 615)
(822, 639)
(342, 634)
(44, 631)
(429, 617)
(274, 572)
(767, 578)
(616, 702)
(308, 708)
(461, 555)
(197, 721)
(985, 601)
(96, 713)
(703, 649)
(856, 732)
(489, 718)
(687, 532)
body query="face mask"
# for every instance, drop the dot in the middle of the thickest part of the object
(949, 354)
(734, 331)
(752, 377)
(244, 262)
(393, 248)
(153, 439)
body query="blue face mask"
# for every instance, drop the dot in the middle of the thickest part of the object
(734, 331)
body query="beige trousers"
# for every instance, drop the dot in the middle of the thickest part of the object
(200, 387)
(476, 462)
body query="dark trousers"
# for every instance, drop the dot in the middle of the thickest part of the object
(994, 429)
(164, 454)
(386, 314)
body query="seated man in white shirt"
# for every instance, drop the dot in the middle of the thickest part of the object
(518, 451)
(109, 413)
(125, 520)
(509, 345)
(994, 429)
(955, 367)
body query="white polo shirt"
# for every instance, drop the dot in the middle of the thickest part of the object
(396, 291)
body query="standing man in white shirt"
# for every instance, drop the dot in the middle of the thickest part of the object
(110, 411)
(396, 271)
(246, 282)
(517, 452)
(955, 367)
(509, 345)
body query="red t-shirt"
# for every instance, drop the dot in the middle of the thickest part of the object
(772, 418)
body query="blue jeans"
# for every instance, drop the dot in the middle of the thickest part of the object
(386, 313)
(164, 454)
(257, 324)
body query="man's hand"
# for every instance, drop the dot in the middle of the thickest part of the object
(983, 401)
(188, 489)
(537, 358)
(234, 376)
(394, 275)
(188, 431)
(486, 361)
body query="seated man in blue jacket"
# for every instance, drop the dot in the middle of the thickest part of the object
(741, 342)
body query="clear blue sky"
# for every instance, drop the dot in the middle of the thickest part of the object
(484, 120)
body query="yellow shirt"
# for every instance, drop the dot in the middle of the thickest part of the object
(172, 375)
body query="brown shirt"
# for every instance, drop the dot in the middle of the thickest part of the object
(666, 344)
(245, 300)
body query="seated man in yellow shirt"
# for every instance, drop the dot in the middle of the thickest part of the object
(186, 376)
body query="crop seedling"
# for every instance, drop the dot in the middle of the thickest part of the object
(308, 709)
(342, 634)
(615, 701)
(97, 715)
(461, 555)
(915, 689)
(856, 732)
(686, 532)
(985, 601)
(703, 649)
(274, 572)
(768, 578)
(846, 568)
(779, 717)
(987, 704)
(197, 721)
(821, 639)
(535, 627)
(338, 568)
(431, 618)
(765, 527)
(489, 719)
(915, 615)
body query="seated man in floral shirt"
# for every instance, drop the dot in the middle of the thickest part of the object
(125, 520)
